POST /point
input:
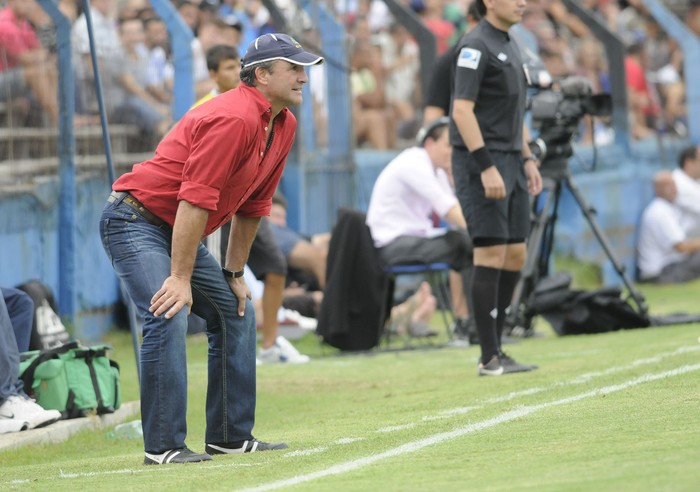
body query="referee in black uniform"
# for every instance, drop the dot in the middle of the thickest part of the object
(493, 169)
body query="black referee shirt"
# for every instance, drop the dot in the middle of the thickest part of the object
(489, 71)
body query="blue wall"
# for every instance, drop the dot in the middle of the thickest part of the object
(29, 248)
(619, 189)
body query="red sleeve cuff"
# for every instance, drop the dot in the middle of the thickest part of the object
(255, 208)
(199, 195)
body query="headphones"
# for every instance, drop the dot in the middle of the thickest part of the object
(427, 130)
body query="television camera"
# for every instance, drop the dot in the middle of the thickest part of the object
(556, 115)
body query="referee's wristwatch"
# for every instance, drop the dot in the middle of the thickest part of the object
(530, 158)
(229, 274)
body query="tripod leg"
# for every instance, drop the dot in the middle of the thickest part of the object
(531, 271)
(588, 213)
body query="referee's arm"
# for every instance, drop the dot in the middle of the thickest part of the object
(532, 166)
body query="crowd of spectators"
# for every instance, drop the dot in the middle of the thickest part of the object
(134, 54)
(653, 64)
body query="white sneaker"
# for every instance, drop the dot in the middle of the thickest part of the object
(290, 317)
(12, 425)
(282, 352)
(22, 408)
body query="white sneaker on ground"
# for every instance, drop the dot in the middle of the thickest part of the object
(282, 352)
(12, 425)
(290, 317)
(21, 408)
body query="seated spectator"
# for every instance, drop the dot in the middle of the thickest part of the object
(666, 254)
(126, 99)
(232, 30)
(282, 350)
(304, 254)
(131, 9)
(224, 67)
(26, 67)
(644, 108)
(161, 72)
(407, 192)
(132, 38)
(373, 119)
(401, 62)
(687, 179)
(210, 34)
(592, 64)
(189, 11)
(432, 15)
(17, 411)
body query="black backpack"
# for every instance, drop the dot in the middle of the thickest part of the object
(575, 312)
(47, 330)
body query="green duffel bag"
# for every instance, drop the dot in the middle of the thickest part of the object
(75, 380)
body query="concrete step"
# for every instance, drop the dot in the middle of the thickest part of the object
(63, 429)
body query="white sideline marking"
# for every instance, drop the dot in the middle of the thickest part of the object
(134, 471)
(394, 428)
(348, 440)
(468, 429)
(510, 396)
(306, 452)
(446, 414)
(581, 379)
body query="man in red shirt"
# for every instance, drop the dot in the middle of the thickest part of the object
(223, 159)
(24, 64)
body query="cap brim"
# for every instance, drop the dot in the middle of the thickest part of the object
(304, 59)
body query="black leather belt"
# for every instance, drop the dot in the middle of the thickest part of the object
(138, 206)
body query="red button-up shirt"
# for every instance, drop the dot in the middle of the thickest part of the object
(215, 159)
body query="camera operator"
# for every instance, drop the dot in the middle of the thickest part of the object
(493, 169)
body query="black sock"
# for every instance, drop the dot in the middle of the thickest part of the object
(484, 295)
(506, 286)
(467, 275)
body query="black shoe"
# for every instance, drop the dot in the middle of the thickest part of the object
(511, 365)
(249, 446)
(492, 368)
(183, 455)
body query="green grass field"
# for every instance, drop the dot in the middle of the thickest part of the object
(610, 412)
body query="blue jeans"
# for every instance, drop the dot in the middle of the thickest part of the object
(16, 315)
(140, 254)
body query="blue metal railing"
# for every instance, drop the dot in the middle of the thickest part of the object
(66, 151)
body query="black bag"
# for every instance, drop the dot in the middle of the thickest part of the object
(47, 330)
(575, 312)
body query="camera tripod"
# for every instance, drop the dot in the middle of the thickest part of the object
(541, 241)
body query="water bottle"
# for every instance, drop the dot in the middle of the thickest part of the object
(127, 430)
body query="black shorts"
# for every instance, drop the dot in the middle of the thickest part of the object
(504, 219)
(265, 255)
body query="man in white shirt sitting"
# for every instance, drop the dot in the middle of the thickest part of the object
(665, 253)
(411, 188)
(687, 179)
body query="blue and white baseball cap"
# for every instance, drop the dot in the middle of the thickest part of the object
(278, 46)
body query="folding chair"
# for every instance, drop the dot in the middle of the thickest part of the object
(437, 275)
